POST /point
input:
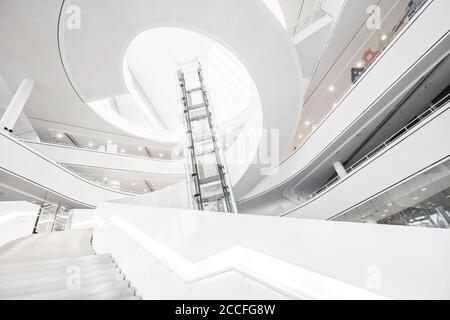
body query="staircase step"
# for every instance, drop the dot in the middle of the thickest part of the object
(37, 268)
(48, 269)
(25, 258)
(83, 293)
(81, 260)
(31, 274)
(132, 298)
(57, 283)
(44, 251)
(123, 294)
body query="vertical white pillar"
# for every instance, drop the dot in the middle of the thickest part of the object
(340, 170)
(16, 105)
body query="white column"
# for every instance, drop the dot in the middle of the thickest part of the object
(340, 170)
(16, 105)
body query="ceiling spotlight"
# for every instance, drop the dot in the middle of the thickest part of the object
(59, 135)
(390, 204)
(140, 148)
(307, 123)
(384, 37)
(423, 189)
(331, 88)
(300, 136)
(386, 211)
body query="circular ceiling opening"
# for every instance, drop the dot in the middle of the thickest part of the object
(150, 73)
(152, 108)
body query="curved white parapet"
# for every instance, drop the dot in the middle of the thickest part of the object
(180, 254)
(37, 177)
(375, 92)
(112, 161)
(392, 166)
(246, 28)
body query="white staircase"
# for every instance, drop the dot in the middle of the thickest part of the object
(60, 266)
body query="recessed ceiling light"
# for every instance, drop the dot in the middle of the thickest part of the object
(424, 189)
(384, 37)
(390, 204)
(133, 184)
(105, 178)
(386, 210)
(300, 136)
(122, 151)
(416, 198)
(145, 190)
(140, 148)
(161, 155)
(331, 88)
(90, 144)
(109, 142)
(359, 65)
(307, 123)
(335, 105)
(384, 216)
(59, 135)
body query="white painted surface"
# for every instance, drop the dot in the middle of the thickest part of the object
(59, 266)
(247, 28)
(23, 164)
(17, 104)
(386, 170)
(175, 197)
(181, 254)
(384, 73)
(16, 220)
(114, 161)
(310, 43)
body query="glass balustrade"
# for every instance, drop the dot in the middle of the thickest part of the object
(423, 201)
(327, 93)
(441, 104)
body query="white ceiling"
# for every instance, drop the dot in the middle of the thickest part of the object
(152, 59)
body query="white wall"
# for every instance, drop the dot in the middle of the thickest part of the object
(17, 220)
(180, 254)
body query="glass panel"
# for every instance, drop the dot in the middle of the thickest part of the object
(367, 45)
(423, 201)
